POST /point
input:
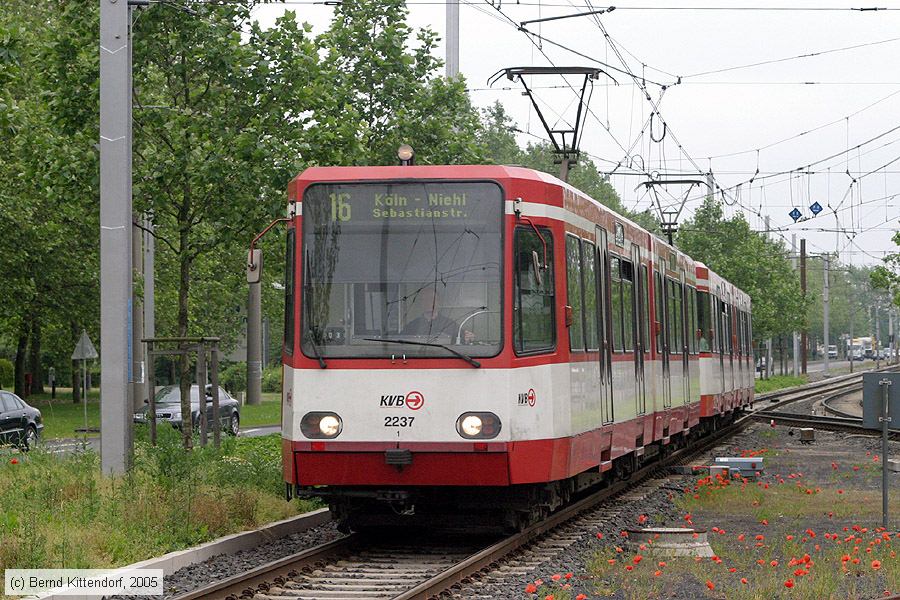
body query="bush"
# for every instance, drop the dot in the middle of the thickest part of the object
(271, 379)
(234, 377)
(7, 373)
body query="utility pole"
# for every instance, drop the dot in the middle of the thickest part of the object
(254, 341)
(453, 38)
(877, 344)
(138, 393)
(115, 236)
(796, 337)
(769, 340)
(826, 290)
(803, 333)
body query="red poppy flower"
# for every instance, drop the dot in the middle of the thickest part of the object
(774, 563)
(876, 564)
(611, 561)
(599, 536)
(765, 521)
(662, 564)
(741, 538)
(789, 583)
(732, 570)
(710, 584)
(657, 573)
(789, 537)
(550, 597)
(637, 559)
(581, 597)
(538, 582)
(628, 567)
(744, 580)
(642, 519)
(568, 575)
(530, 588)
(556, 577)
(760, 562)
(760, 537)
(14, 461)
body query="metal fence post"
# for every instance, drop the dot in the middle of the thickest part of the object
(885, 421)
(201, 390)
(214, 377)
(151, 392)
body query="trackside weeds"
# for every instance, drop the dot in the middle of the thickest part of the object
(807, 528)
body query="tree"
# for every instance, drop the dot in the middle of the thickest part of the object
(749, 260)
(887, 276)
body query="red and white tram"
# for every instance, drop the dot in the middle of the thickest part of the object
(487, 341)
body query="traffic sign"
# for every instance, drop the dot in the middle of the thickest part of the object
(84, 349)
(815, 207)
(795, 214)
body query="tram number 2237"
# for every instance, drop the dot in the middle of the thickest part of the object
(340, 207)
(394, 421)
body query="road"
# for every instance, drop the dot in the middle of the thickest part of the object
(65, 445)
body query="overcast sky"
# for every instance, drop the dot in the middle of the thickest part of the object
(714, 114)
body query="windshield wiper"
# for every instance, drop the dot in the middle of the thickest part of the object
(465, 357)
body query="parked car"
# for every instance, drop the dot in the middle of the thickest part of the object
(20, 424)
(761, 364)
(832, 351)
(168, 409)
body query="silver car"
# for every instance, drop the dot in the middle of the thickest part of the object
(168, 409)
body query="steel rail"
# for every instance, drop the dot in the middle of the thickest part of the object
(276, 572)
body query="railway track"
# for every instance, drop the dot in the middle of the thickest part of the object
(364, 567)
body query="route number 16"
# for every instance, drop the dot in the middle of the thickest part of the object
(340, 208)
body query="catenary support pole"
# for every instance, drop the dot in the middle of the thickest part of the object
(254, 345)
(453, 38)
(795, 347)
(115, 235)
(769, 356)
(201, 392)
(826, 292)
(149, 280)
(804, 346)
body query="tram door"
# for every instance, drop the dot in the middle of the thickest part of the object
(640, 315)
(660, 296)
(685, 342)
(720, 325)
(603, 326)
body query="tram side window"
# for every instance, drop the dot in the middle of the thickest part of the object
(289, 265)
(615, 292)
(589, 259)
(704, 323)
(675, 318)
(628, 315)
(533, 319)
(645, 294)
(574, 291)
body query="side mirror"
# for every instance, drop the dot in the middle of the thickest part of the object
(254, 266)
(536, 266)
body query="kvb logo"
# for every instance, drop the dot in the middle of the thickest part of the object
(414, 400)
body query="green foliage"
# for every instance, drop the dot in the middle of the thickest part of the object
(759, 266)
(6, 373)
(271, 379)
(60, 511)
(234, 377)
(887, 276)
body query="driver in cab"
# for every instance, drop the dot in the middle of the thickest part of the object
(432, 322)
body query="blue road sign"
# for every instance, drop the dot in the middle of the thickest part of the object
(815, 207)
(795, 214)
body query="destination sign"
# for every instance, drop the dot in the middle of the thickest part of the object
(376, 202)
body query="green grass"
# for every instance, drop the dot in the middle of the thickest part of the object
(778, 382)
(267, 413)
(62, 417)
(61, 512)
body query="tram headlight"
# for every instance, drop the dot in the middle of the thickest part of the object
(321, 425)
(478, 425)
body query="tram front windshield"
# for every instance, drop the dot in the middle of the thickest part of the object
(415, 262)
